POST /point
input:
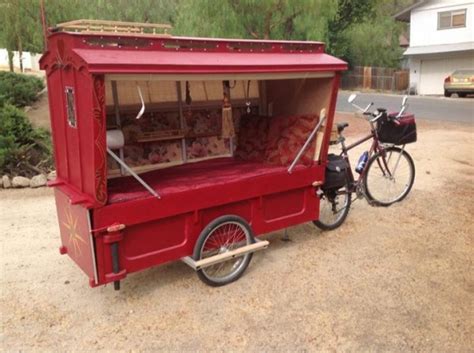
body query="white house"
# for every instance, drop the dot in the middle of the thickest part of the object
(441, 41)
(30, 61)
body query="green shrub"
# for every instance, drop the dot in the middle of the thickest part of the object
(18, 89)
(24, 150)
(14, 123)
(7, 146)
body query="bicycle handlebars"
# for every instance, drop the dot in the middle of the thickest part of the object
(376, 114)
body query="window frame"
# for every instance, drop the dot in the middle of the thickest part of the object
(452, 13)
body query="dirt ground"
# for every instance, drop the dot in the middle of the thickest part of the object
(38, 113)
(390, 279)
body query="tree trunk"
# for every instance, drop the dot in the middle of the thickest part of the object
(20, 53)
(10, 59)
(267, 25)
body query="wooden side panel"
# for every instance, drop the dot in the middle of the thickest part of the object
(284, 204)
(170, 238)
(72, 132)
(58, 123)
(76, 238)
(84, 113)
(299, 96)
(332, 96)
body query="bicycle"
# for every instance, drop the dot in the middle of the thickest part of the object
(386, 172)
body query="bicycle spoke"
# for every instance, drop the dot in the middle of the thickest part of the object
(226, 237)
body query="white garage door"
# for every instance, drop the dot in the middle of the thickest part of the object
(434, 71)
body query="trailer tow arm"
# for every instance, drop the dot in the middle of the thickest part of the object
(209, 261)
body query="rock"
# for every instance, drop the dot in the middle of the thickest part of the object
(52, 175)
(20, 182)
(38, 181)
(6, 182)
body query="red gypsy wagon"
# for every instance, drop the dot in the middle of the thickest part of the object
(172, 148)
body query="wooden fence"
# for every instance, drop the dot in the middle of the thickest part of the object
(376, 78)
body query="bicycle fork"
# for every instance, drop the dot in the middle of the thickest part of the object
(391, 175)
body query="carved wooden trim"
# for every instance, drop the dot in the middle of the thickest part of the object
(100, 147)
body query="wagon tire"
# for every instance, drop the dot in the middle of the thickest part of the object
(228, 233)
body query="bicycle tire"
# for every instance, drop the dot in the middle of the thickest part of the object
(324, 225)
(371, 167)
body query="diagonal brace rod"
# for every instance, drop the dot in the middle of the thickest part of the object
(135, 175)
(305, 146)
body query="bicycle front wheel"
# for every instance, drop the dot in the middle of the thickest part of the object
(389, 177)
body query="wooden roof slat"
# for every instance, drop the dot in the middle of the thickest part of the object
(103, 26)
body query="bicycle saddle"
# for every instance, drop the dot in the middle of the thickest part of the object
(341, 127)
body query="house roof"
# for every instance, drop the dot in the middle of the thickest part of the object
(404, 15)
(441, 48)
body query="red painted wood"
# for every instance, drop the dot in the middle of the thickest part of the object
(158, 231)
(188, 55)
(330, 118)
(128, 61)
(74, 231)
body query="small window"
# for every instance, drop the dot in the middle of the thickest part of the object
(452, 19)
(71, 107)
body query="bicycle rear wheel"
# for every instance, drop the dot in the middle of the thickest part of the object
(334, 207)
(389, 177)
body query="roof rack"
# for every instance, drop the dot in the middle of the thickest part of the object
(112, 27)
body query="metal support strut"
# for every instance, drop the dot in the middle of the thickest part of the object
(305, 146)
(135, 175)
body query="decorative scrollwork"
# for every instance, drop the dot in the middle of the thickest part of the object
(100, 148)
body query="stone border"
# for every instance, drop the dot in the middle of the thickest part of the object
(37, 181)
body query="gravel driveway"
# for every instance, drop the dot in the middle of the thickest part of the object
(390, 279)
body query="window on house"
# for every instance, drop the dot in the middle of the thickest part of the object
(71, 107)
(452, 19)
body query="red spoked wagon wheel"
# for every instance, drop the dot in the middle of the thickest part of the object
(224, 234)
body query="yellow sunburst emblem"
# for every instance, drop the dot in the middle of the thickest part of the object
(74, 238)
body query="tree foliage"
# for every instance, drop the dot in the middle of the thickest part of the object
(19, 90)
(351, 28)
(258, 19)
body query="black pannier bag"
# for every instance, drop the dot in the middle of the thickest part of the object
(336, 172)
(399, 132)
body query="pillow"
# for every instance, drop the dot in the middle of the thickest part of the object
(252, 138)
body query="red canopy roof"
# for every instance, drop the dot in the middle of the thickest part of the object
(145, 54)
(140, 61)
